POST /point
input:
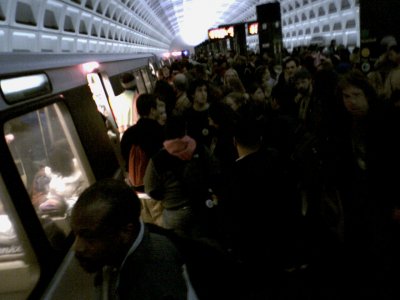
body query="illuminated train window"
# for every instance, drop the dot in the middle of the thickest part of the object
(147, 81)
(51, 162)
(140, 82)
(24, 87)
(100, 96)
(19, 271)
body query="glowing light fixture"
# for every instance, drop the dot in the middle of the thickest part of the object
(20, 88)
(90, 66)
(198, 17)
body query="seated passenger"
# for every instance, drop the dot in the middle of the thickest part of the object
(57, 186)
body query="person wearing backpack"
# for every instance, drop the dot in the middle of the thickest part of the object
(183, 176)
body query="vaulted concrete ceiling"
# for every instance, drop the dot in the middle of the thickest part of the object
(115, 25)
(190, 19)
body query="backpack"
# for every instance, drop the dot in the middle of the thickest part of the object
(137, 164)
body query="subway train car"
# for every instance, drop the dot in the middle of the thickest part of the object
(54, 113)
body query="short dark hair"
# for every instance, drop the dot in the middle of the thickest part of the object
(259, 72)
(175, 127)
(288, 59)
(121, 203)
(248, 130)
(194, 85)
(145, 103)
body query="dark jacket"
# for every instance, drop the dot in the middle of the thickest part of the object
(181, 182)
(153, 271)
(146, 133)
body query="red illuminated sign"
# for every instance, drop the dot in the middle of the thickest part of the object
(221, 33)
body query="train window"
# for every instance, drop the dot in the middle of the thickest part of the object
(123, 91)
(140, 82)
(99, 95)
(152, 70)
(52, 165)
(17, 260)
(20, 88)
(147, 81)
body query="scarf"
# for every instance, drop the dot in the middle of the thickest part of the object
(183, 148)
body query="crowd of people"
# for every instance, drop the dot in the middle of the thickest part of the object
(290, 176)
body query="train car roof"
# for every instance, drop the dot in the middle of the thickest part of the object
(13, 63)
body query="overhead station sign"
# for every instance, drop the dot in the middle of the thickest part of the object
(221, 33)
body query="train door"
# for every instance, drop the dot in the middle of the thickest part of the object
(153, 73)
(147, 79)
(141, 84)
(102, 91)
(19, 268)
(52, 165)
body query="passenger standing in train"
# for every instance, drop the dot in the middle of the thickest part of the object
(124, 105)
(181, 176)
(138, 144)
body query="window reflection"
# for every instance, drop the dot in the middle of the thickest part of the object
(17, 260)
(147, 81)
(140, 83)
(47, 151)
(8, 239)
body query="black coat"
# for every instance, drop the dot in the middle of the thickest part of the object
(146, 133)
